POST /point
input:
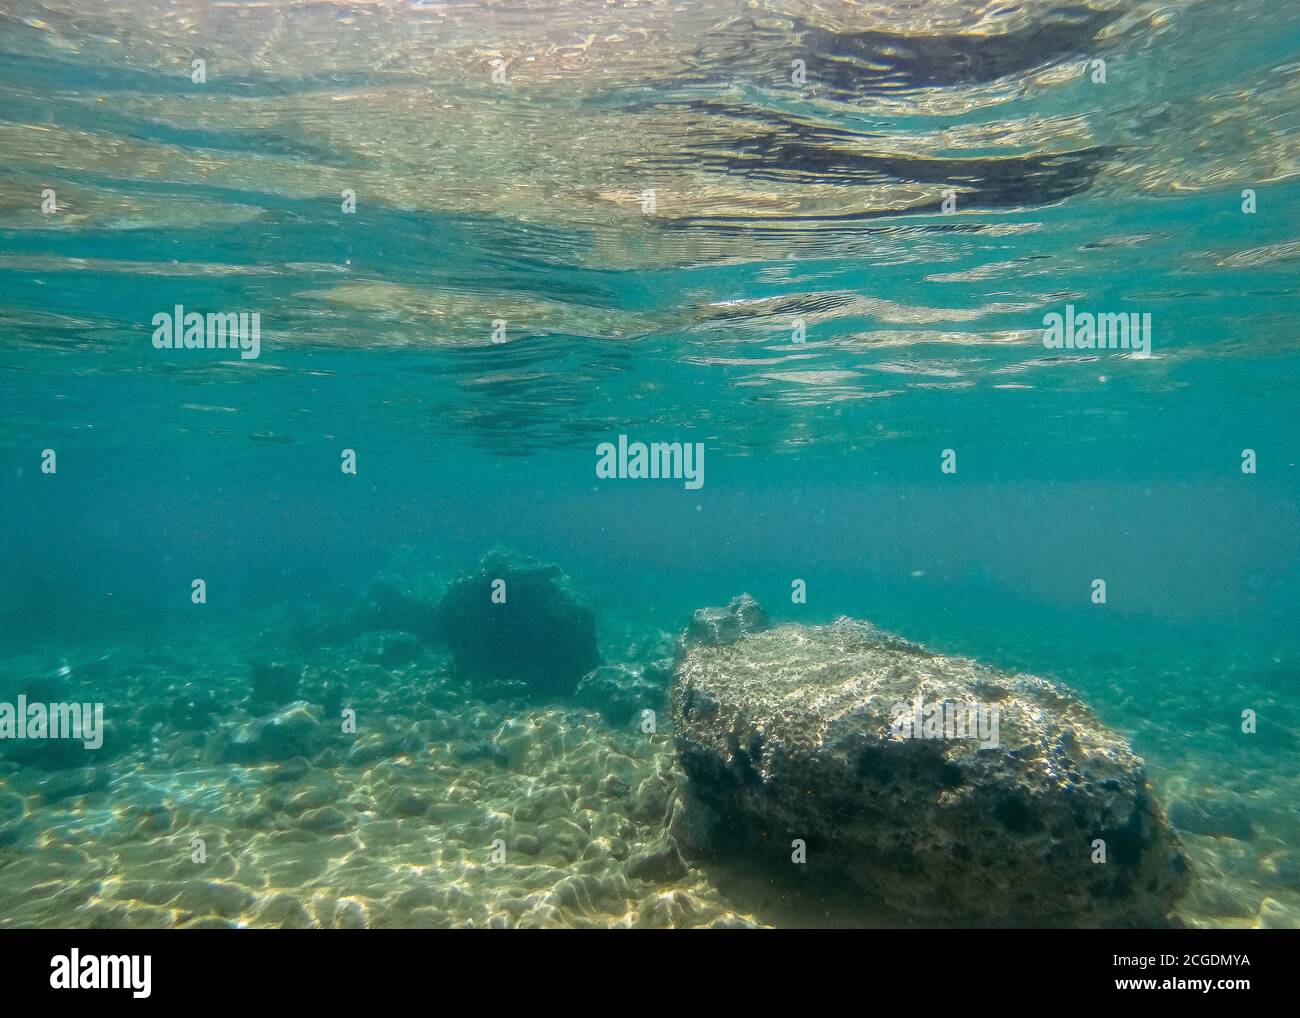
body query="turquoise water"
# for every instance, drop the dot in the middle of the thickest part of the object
(522, 201)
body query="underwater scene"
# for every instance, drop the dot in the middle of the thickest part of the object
(649, 463)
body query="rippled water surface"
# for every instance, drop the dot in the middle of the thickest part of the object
(819, 238)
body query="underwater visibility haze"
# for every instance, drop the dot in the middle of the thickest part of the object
(649, 464)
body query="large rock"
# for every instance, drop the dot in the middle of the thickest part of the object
(805, 733)
(543, 634)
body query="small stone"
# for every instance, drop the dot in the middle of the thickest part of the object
(325, 820)
(484, 750)
(284, 911)
(350, 914)
(215, 898)
(295, 731)
(659, 864)
(527, 844)
(403, 802)
(374, 746)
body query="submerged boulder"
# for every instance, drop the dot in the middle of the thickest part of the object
(518, 619)
(852, 742)
(275, 683)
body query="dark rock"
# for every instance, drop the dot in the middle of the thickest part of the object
(543, 635)
(375, 746)
(294, 731)
(392, 649)
(191, 710)
(800, 733)
(404, 802)
(1212, 816)
(68, 784)
(289, 771)
(484, 750)
(333, 698)
(660, 863)
(324, 820)
(275, 684)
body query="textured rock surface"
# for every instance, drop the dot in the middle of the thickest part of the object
(543, 635)
(717, 627)
(789, 734)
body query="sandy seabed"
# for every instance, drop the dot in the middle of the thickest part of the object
(447, 810)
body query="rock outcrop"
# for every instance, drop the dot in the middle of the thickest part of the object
(834, 736)
(535, 629)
